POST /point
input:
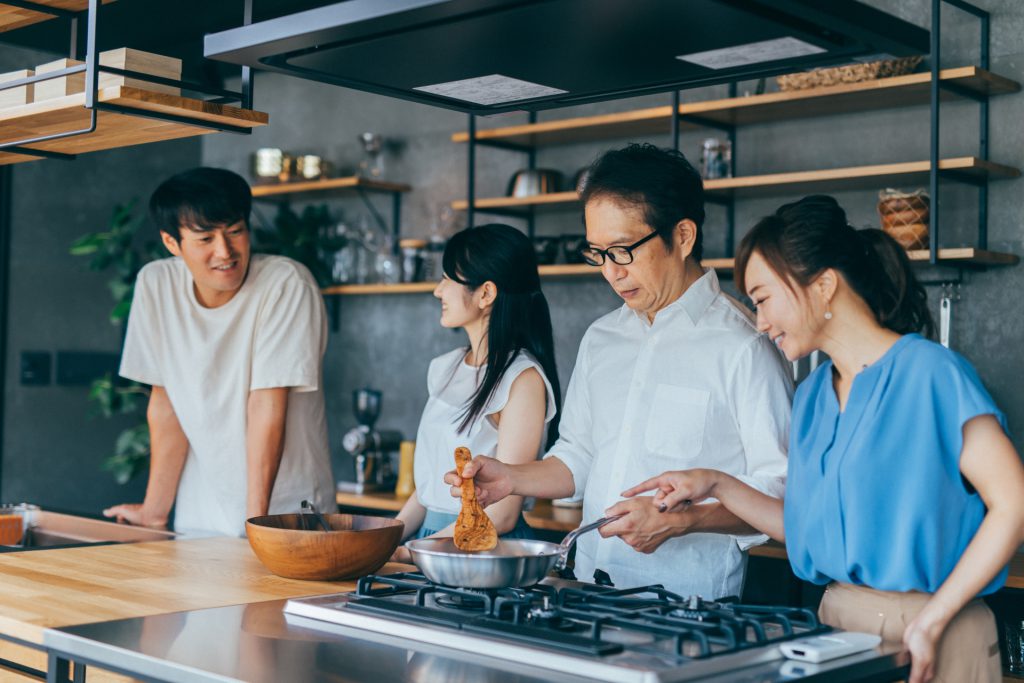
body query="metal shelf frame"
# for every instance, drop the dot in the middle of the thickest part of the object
(92, 69)
(935, 173)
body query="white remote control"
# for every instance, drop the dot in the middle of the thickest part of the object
(829, 646)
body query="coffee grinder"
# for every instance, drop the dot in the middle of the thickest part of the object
(370, 448)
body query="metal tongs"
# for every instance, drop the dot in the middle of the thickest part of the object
(570, 538)
(306, 505)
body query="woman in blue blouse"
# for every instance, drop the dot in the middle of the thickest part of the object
(904, 493)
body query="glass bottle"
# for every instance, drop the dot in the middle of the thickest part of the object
(372, 164)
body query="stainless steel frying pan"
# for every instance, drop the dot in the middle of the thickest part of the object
(513, 563)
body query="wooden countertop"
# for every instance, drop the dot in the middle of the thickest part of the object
(64, 587)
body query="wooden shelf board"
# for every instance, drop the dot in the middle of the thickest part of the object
(281, 191)
(953, 256)
(854, 177)
(116, 129)
(387, 502)
(641, 122)
(966, 256)
(399, 288)
(6, 158)
(12, 18)
(886, 93)
(550, 199)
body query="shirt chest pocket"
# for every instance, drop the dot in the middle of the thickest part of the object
(675, 426)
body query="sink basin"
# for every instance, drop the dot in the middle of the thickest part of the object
(47, 529)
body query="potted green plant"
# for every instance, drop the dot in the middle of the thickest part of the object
(116, 249)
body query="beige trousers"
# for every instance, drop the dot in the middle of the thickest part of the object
(967, 653)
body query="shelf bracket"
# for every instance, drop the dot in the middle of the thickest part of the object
(707, 123)
(512, 213)
(966, 93)
(511, 146)
(377, 218)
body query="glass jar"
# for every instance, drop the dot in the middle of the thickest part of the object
(716, 159)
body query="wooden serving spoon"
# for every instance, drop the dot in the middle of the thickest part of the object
(473, 528)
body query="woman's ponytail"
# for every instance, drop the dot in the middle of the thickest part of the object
(803, 239)
(899, 301)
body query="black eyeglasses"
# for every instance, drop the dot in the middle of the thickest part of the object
(621, 256)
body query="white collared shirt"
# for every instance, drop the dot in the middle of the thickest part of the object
(697, 388)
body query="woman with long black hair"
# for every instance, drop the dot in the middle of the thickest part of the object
(499, 394)
(904, 493)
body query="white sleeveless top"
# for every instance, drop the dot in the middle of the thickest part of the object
(451, 382)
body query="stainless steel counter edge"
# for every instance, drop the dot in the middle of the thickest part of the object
(120, 660)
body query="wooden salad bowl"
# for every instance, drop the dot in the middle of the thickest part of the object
(296, 547)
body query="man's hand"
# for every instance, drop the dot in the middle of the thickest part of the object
(493, 479)
(642, 526)
(135, 514)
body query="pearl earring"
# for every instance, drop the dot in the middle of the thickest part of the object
(828, 315)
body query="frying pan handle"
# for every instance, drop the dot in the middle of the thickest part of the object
(570, 538)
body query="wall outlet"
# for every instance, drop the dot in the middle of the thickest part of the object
(35, 368)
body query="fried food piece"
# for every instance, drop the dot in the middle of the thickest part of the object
(473, 528)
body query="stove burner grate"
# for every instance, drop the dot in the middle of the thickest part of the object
(591, 619)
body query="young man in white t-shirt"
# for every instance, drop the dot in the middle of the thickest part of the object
(232, 345)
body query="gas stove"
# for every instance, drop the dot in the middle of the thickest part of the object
(644, 634)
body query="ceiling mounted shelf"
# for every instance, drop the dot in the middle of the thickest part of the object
(835, 179)
(329, 186)
(885, 93)
(959, 257)
(114, 128)
(13, 18)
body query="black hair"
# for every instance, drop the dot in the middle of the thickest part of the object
(201, 199)
(661, 183)
(803, 239)
(519, 317)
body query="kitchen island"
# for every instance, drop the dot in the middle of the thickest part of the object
(207, 610)
(66, 587)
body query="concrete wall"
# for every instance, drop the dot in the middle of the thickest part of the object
(53, 444)
(387, 341)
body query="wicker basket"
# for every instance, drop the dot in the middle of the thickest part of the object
(904, 216)
(849, 73)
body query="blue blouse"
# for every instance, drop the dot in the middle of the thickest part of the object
(875, 496)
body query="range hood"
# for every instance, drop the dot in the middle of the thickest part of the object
(491, 56)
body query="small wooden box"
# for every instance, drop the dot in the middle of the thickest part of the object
(20, 95)
(121, 58)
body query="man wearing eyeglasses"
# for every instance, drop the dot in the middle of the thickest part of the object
(677, 378)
